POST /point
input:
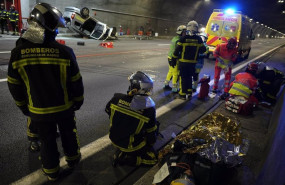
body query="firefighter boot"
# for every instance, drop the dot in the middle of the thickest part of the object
(118, 158)
(166, 85)
(35, 146)
(175, 88)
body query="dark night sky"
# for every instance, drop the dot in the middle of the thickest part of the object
(268, 12)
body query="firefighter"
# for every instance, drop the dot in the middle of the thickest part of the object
(200, 62)
(13, 18)
(225, 54)
(270, 80)
(133, 125)
(46, 84)
(245, 83)
(188, 49)
(3, 19)
(173, 71)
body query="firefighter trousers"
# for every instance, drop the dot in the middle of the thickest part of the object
(227, 73)
(32, 131)
(49, 150)
(3, 24)
(187, 71)
(14, 26)
(144, 156)
(172, 74)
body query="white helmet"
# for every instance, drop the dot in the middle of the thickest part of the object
(192, 27)
(261, 66)
(141, 82)
(180, 29)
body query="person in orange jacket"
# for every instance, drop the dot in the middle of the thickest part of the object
(225, 54)
(245, 83)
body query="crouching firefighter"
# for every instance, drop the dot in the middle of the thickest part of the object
(133, 125)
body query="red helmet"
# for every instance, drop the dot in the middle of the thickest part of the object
(232, 43)
(252, 67)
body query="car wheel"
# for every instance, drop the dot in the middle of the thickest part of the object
(84, 12)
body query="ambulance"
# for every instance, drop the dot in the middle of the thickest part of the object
(224, 24)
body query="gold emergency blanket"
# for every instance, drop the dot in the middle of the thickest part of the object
(215, 137)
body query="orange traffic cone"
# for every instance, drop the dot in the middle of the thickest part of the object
(107, 44)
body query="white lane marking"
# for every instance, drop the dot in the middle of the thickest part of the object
(103, 142)
(163, 44)
(3, 80)
(5, 51)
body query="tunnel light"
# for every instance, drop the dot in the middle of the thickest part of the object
(257, 22)
(283, 12)
(230, 11)
(261, 24)
(280, 1)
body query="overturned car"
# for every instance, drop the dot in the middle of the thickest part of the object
(80, 22)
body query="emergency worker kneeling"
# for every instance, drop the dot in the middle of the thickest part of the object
(133, 125)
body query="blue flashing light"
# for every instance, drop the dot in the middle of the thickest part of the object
(230, 11)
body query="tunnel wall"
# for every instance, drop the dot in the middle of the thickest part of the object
(159, 16)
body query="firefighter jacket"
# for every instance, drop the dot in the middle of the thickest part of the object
(243, 85)
(225, 56)
(173, 46)
(44, 80)
(130, 130)
(3, 14)
(13, 16)
(188, 48)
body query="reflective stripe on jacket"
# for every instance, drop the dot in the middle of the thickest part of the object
(3, 14)
(244, 85)
(188, 48)
(13, 15)
(227, 56)
(45, 78)
(130, 130)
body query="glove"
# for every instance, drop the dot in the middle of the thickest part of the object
(76, 106)
(172, 63)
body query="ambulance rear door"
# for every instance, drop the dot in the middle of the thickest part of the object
(221, 27)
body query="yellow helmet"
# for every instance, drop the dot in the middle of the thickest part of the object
(180, 29)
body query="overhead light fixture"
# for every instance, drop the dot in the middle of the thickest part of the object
(283, 12)
(261, 24)
(280, 1)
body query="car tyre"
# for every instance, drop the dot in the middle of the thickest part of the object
(84, 12)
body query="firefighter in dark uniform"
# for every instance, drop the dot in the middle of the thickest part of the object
(46, 84)
(270, 80)
(133, 125)
(13, 18)
(188, 49)
(3, 19)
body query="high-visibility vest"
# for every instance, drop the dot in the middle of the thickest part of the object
(244, 85)
(226, 55)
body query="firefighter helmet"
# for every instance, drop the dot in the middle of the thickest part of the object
(47, 16)
(192, 27)
(2, 5)
(12, 6)
(252, 67)
(180, 29)
(141, 82)
(261, 66)
(232, 43)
